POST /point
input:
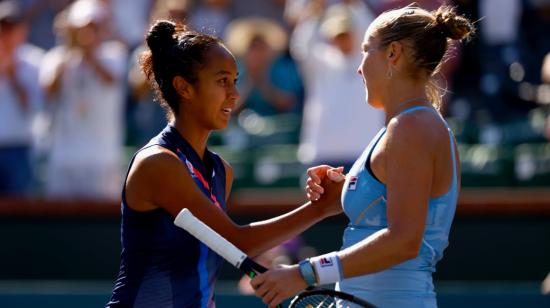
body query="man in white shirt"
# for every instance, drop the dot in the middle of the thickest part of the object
(337, 122)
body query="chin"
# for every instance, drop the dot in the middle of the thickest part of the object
(369, 100)
(373, 103)
(221, 125)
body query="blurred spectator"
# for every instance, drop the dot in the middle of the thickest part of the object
(130, 20)
(500, 49)
(271, 9)
(464, 95)
(40, 15)
(177, 10)
(294, 11)
(545, 286)
(84, 77)
(534, 27)
(211, 16)
(545, 90)
(545, 71)
(21, 99)
(301, 10)
(337, 121)
(269, 83)
(493, 30)
(380, 6)
(145, 118)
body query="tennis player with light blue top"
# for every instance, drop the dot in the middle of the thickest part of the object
(400, 195)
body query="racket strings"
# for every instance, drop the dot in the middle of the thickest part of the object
(321, 301)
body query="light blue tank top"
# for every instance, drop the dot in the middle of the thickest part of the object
(364, 203)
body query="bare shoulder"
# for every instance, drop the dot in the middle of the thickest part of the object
(421, 129)
(155, 157)
(227, 166)
(150, 168)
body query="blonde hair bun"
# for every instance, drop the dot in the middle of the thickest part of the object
(454, 26)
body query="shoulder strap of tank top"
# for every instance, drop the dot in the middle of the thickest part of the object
(415, 108)
(196, 174)
(376, 140)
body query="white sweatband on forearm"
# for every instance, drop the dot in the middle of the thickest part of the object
(328, 268)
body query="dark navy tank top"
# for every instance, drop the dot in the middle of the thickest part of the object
(161, 264)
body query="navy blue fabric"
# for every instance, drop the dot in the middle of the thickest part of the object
(161, 264)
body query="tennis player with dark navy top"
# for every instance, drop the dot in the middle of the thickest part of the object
(162, 265)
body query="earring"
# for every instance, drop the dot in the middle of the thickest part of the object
(389, 73)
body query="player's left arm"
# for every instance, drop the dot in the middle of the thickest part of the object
(409, 171)
(410, 157)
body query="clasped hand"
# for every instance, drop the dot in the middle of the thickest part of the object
(324, 187)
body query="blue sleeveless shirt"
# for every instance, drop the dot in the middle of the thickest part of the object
(161, 264)
(364, 203)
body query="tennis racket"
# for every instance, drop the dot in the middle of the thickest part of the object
(325, 298)
(218, 244)
(311, 298)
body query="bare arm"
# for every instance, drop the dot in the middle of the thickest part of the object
(104, 74)
(17, 86)
(408, 192)
(53, 84)
(159, 179)
(408, 186)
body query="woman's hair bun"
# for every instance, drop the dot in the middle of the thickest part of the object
(161, 35)
(452, 25)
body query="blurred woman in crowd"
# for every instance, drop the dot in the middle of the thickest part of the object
(84, 79)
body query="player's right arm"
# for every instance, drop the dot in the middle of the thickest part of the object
(158, 179)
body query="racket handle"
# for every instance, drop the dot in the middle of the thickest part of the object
(211, 238)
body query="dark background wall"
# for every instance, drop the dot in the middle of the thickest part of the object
(76, 247)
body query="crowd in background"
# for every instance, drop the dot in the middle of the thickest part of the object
(73, 97)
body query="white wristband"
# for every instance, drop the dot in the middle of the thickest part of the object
(327, 268)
